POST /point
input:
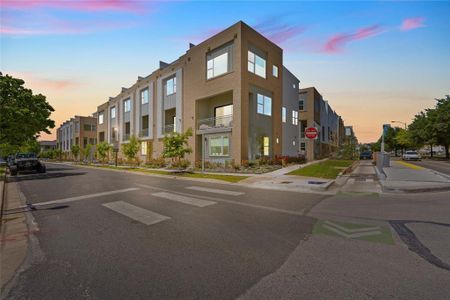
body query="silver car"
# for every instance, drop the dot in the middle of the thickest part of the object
(411, 155)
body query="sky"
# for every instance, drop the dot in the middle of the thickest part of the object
(373, 61)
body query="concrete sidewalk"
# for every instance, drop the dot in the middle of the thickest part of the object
(405, 177)
(280, 180)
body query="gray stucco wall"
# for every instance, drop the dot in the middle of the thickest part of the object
(290, 138)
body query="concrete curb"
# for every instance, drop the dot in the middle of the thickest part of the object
(414, 190)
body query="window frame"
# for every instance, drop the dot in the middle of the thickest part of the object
(125, 106)
(174, 85)
(144, 147)
(142, 98)
(222, 146)
(294, 117)
(113, 109)
(266, 146)
(275, 71)
(283, 114)
(262, 105)
(252, 60)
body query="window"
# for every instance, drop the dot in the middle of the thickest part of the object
(294, 86)
(113, 112)
(143, 148)
(127, 128)
(87, 127)
(101, 136)
(323, 133)
(256, 64)
(85, 142)
(294, 117)
(283, 114)
(266, 146)
(218, 61)
(100, 118)
(171, 86)
(293, 143)
(275, 71)
(303, 146)
(127, 105)
(144, 96)
(223, 115)
(301, 104)
(219, 146)
(264, 105)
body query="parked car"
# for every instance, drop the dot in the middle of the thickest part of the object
(411, 155)
(365, 155)
(25, 162)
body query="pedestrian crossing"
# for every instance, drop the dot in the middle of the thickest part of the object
(149, 217)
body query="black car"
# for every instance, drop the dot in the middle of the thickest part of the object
(365, 155)
(25, 162)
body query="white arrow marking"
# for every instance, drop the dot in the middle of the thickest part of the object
(354, 235)
(348, 230)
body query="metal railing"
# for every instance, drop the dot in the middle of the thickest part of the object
(216, 122)
(169, 128)
(143, 132)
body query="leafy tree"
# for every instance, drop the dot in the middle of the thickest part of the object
(440, 118)
(176, 145)
(103, 150)
(75, 149)
(87, 152)
(22, 115)
(421, 131)
(131, 148)
(403, 139)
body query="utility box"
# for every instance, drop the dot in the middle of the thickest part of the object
(383, 160)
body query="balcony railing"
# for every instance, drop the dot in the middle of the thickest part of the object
(169, 128)
(215, 123)
(143, 132)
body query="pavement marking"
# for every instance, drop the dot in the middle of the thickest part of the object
(369, 180)
(184, 199)
(136, 213)
(268, 208)
(217, 191)
(411, 166)
(369, 233)
(85, 197)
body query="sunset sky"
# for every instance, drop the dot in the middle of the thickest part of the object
(373, 61)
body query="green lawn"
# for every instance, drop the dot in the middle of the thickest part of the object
(228, 178)
(328, 169)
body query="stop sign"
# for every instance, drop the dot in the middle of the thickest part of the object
(311, 133)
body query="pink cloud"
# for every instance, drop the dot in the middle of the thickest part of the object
(88, 5)
(336, 42)
(43, 83)
(412, 23)
(278, 32)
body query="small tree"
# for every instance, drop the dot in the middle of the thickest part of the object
(103, 150)
(75, 149)
(176, 145)
(87, 152)
(131, 148)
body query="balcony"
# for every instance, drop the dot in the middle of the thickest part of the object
(169, 128)
(143, 133)
(216, 124)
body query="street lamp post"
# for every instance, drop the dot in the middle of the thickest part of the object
(400, 123)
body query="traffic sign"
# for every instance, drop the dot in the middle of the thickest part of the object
(311, 133)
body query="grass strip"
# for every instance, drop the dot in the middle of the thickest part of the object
(328, 169)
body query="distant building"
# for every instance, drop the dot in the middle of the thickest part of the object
(47, 145)
(79, 131)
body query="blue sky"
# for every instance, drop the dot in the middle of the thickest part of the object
(373, 61)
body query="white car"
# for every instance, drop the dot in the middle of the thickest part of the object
(411, 155)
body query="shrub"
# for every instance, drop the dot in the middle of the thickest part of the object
(131, 148)
(155, 163)
(180, 164)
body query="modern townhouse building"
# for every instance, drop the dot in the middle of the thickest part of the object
(316, 112)
(232, 90)
(47, 145)
(79, 131)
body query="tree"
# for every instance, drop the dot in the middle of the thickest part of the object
(75, 149)
(421, 131)
(440, 118)
(131, 148)
(22, 115)
(87, 152)
(103, 150)
(176, 145)
(403, 139)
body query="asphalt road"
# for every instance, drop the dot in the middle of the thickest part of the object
(440, 166)
(217, 251)
(113, 235)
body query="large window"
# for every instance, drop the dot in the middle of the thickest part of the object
(218, 61)
(223, 115)
(127, 105)
(113, 112)
(100, 118)
(219, 145)
(294, 117)
(266, 146)
(264, 105)
(144, 96)
(171, 86)
(275, 71)
(256, 64)
(283, 114)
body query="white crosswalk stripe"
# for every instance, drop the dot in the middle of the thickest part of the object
(216, 191)
(136, 213)
(184, 199)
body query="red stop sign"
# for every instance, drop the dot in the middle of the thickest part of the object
(311, 133)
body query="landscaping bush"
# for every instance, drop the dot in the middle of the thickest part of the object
(156, 163)
(180, 164)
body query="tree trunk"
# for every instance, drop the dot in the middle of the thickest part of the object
(446, 152)
(431, 150)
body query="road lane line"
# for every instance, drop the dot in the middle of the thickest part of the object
(411, 166)
(136, 213)
(268, 208)
(85, 197)
(184, 199)
(216, 191)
